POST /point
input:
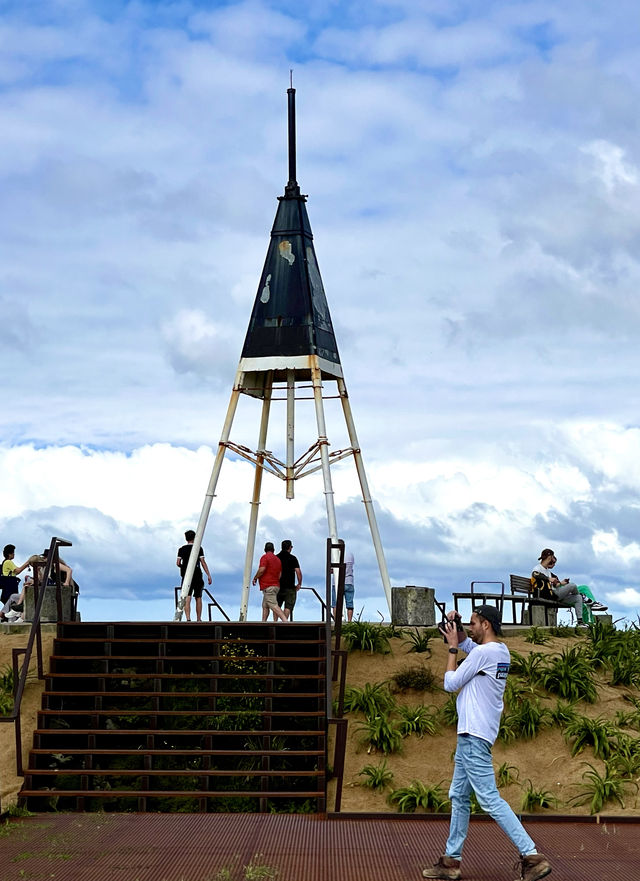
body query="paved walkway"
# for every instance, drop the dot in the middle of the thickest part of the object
(196, 847)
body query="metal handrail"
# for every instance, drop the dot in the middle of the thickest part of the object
(323, 605)
(214, 602)
(35, 635)
(337, 658)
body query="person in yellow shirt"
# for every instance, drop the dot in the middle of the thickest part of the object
(8, 566)
(10, 572)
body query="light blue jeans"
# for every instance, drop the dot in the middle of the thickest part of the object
(474, 770)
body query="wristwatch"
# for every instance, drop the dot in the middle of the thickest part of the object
(453, 651)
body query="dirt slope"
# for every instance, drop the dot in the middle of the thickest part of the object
(546, 760)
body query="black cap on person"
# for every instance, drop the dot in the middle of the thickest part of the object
(492, 616)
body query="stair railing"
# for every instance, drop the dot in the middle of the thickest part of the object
(323, 605)
(213, 604)
(35, 635)
(336, 662)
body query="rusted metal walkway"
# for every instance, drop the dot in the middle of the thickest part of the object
(196, 847)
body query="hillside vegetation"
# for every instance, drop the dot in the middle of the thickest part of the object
(569, 740)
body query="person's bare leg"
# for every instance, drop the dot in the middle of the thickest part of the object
(349, 614)
(199, 608)
(187, 608)
(265, 613)
(287, 613)
(281, 615)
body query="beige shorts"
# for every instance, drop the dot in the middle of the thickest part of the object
(270, 597)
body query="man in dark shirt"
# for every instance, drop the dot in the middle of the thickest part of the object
(290, 579)
(197, 582)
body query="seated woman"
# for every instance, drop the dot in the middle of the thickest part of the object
(13, 609)
(551, 587)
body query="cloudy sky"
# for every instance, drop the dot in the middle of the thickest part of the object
(473, 172)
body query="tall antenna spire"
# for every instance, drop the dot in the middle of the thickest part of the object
(290, 345)
(292, 190)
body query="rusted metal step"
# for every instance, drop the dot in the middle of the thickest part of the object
(171, 801)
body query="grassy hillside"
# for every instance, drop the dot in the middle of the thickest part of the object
(569, 741)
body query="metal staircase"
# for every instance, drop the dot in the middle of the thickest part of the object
(172, 717)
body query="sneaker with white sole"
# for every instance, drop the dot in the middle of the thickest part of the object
(595, 606)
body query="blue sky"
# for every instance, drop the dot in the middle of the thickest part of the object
(473, 173)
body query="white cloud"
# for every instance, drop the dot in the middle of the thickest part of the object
(629, 598)
(613, 169)
(197, 345)
(607, 544)
(473, 178)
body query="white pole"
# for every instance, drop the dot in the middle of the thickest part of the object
(364, 486)
(209, 495)
(316, 377)
(255, 501)
(291, 415)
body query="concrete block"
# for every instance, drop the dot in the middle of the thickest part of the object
(49, 611)
(413, 606)
(535, 616)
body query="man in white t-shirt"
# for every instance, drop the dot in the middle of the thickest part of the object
(480, 683)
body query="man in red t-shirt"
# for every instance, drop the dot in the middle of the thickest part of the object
(269, 576)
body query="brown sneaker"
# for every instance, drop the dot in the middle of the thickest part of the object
(446, 868)
(534, 867)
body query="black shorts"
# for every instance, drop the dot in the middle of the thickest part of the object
(288, 598)
(197, 586)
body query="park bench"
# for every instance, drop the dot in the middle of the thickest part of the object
(522, 594)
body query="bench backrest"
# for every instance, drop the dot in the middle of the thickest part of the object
(520, 584)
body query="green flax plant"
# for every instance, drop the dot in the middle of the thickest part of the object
(448, 711)
(378, 776)
(569, 675)
(517, 690)
(528, 718)
(527, 667)
(562, 631)
(381, 733)
(625, 755)
(598, 733)
(625, 671)
(430, 798)
(604, 643)
(562, 714)
(506, 775)
(6, 690)
(628, 720)
(537, 636)
(366, 637)
(418, 642)
(536, 799)
(419, 720)
(373, 699)
(599, 789)
(506, 732)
